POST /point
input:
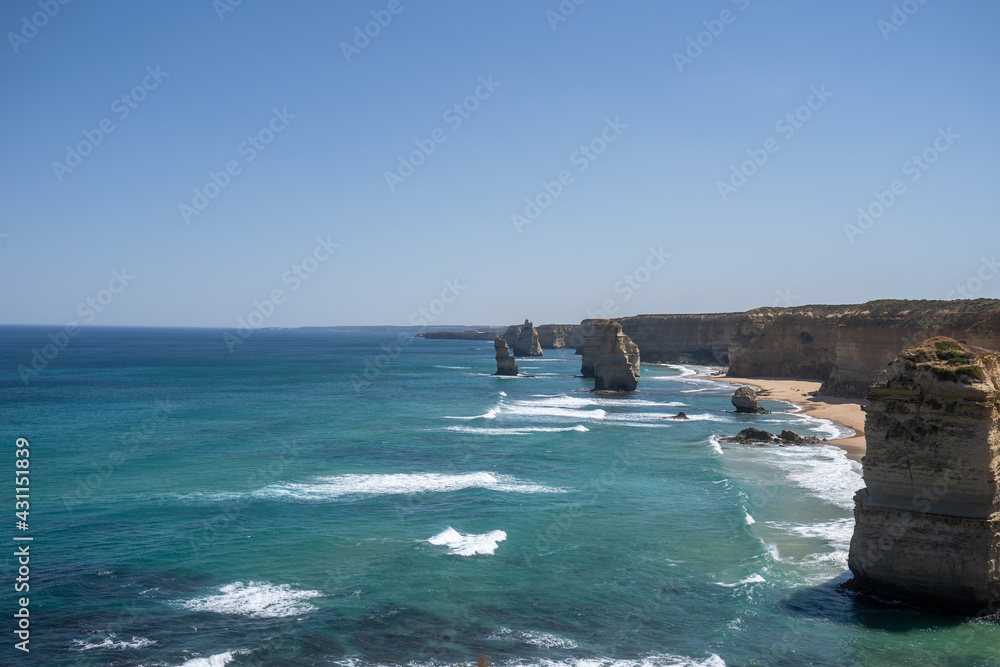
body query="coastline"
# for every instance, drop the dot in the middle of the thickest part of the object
(844, 411)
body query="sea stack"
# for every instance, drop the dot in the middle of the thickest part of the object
(609, 356)
(527, 341)
(506, 365)
(927, 527)
(745, 401)
(523, 340)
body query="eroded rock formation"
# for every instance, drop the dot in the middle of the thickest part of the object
(506, 364)
(609, 356)
(557, 336)
(745, 401)
(523, 340)
(927, 526)
(756, 436)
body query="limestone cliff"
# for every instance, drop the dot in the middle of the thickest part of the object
(698, 339)
(927, 526)
(843, 346)
(506, 364)
(609, 356)
(558, 336)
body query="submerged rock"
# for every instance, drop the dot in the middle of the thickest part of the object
(927, 527)
(745, 401)
(506, 365)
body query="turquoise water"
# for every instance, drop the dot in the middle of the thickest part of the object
(278, 506)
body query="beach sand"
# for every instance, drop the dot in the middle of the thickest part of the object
(844, 411)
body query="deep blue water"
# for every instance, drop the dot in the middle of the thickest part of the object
(275, 505)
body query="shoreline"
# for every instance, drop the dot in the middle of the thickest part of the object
(845, 412)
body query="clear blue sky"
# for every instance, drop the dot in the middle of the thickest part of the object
(678, 128)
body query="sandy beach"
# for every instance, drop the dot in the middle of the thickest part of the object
(844, 411)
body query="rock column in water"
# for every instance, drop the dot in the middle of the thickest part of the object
(506, 365)
(927, 526)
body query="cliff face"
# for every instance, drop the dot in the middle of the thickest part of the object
(557, 336)
(506, 364)
(701, 339)
(784, 342)
(927, 526)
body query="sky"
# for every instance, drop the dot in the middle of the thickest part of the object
(200, 163)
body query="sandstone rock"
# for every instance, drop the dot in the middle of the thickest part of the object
(558, 336)
(792, 438)
(927, 527)
(506, 365)
(745, 401)
(523, 340)
(680, 415)
(609, 356)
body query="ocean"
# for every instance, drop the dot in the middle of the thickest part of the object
(308, 497)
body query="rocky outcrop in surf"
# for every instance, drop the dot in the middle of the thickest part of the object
(756, 436)
(927, 525)
(609, 356)
(523, 340)
(745, 401)
(506, 364)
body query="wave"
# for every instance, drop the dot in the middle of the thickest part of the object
(825, 471)
(489, 414)
(109, 642)
(523, 430)
(460, 544)
(530, 409)
(661, 660)
(455, 368)
(713, 440)
(217, 660)
(256, 599)
(369, 486)
(543, 639)
(752, 579)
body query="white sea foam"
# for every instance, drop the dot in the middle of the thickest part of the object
(752, 579)
(661, 660)
(217, 660)
(110, 642)
(256, 599)
(543, 639)
(825, 471)
(530, 409)
(748, 519)
(713, 440)
(460, 544)
(489, 414)
(523, 430)
(455, 368)
(331, 488)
